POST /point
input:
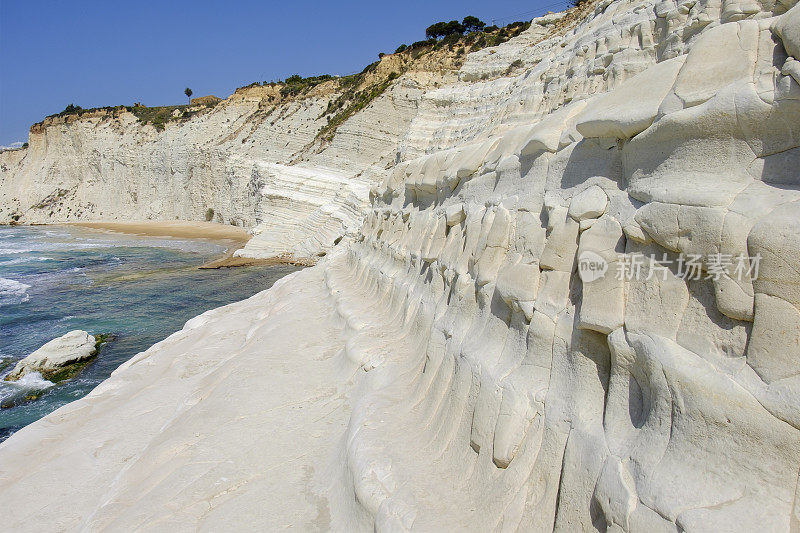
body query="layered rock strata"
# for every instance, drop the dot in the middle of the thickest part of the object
(571, 305)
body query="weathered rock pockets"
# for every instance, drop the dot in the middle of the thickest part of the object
(648, 402)
(500, 391)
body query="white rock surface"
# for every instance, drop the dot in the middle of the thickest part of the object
(787, 28)
(444, 367)
(589, 203)
(613, 115)
(72, 347)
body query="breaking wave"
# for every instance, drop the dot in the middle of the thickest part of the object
(13, 292)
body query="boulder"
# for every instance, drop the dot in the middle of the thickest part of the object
(787, 27)
(57, 355)
(455, 214)
(589, 203)
(206, 100)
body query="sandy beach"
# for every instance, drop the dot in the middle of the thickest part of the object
(178, 228)
(237, 237)
(234, 236)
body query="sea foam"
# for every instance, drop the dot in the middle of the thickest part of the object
(13, 292)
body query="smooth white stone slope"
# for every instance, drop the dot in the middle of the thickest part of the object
(446, 367)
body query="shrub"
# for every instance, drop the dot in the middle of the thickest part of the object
(296, 84)
(515, 64)
(371, 67)
(421, 44)
(517, 24)
(71, 109)
(351, 102)
(401, 48)
(209, 214)
(158, 116)
(450, 40)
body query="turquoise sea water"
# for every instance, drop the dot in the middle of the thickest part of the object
(54, 279)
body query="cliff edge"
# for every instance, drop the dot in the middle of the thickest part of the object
(571, 305)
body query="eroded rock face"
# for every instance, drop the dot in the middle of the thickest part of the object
(57, 354)
(634, 401)
(484, 378)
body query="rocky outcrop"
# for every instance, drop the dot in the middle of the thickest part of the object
(571, 305)
(54, 360)
(260, 159)
(205, 100)
(632, 400)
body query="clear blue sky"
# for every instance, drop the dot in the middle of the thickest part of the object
(97, 53)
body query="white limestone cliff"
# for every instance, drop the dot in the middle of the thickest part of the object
(255, 161)
(446, 367)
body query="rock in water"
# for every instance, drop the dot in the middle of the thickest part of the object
(56, 356)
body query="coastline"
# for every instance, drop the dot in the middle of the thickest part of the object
(60, 278)
(233, 236)
(231, 261)
(167, 228)
(206, 373)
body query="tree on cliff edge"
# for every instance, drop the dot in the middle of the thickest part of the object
(443, 29)
(188, 93)
(471, 23)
